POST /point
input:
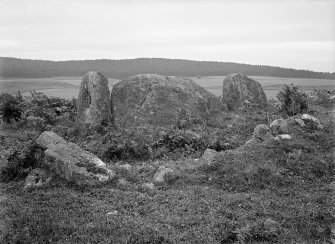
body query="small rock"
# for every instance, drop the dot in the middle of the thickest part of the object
(148, 186)
(125, 166)
(162, 171)
(209, 155)
(115, 212)
(285, 137)
(230, 126)
(300, 122)
(262, 132)
(271, 225)
(279, 126)
(196, 159)
(36, 178)
(123, 182)
(310, 118)
(319, 126)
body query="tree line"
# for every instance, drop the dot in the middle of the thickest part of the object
(120, 69)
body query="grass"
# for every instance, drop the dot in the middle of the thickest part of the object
(229, 201)
(196, 213)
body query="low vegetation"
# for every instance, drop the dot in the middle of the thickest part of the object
(293, 101)
(278, 193)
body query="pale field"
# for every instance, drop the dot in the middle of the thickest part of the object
(68, 87)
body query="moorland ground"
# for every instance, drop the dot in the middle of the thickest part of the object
(290, 186)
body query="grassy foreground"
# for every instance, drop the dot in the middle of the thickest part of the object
(285, 196)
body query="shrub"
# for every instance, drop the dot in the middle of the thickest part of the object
(292, 100)
(49, 108)
(10, 108)
(24, 156)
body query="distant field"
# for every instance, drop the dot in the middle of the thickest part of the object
(65, 87)
(68, 87)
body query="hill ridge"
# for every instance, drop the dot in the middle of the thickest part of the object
(121, 68)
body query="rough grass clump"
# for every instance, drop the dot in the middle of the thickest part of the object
(322, 98)
(25, 156)
(118, 145)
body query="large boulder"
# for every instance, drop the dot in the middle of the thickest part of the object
(161, 100)
(72, 163)
(239, 90)
(94, 103)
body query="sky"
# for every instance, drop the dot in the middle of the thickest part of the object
(296, 34)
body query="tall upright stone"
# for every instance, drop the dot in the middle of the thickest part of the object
(239, 90)
(94, 102)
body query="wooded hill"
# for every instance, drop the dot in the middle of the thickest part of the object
(119, 69)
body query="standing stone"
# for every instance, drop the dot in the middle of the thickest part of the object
(94, 103)
(239, 90)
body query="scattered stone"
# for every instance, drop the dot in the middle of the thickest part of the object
(94, 103)
(148, 186)
(300, 122)
(319, 127)
(307, 117)
(241, 91)
(150, 99)
(272, 225)
(36, 178)
(160, 174)
(209, 155)
(262, 132)
(72, 163)
(279, 126)
(285, 137)
(123, 182)
(230, 126)
(115, 212)
(196, 159)
(126, 167)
